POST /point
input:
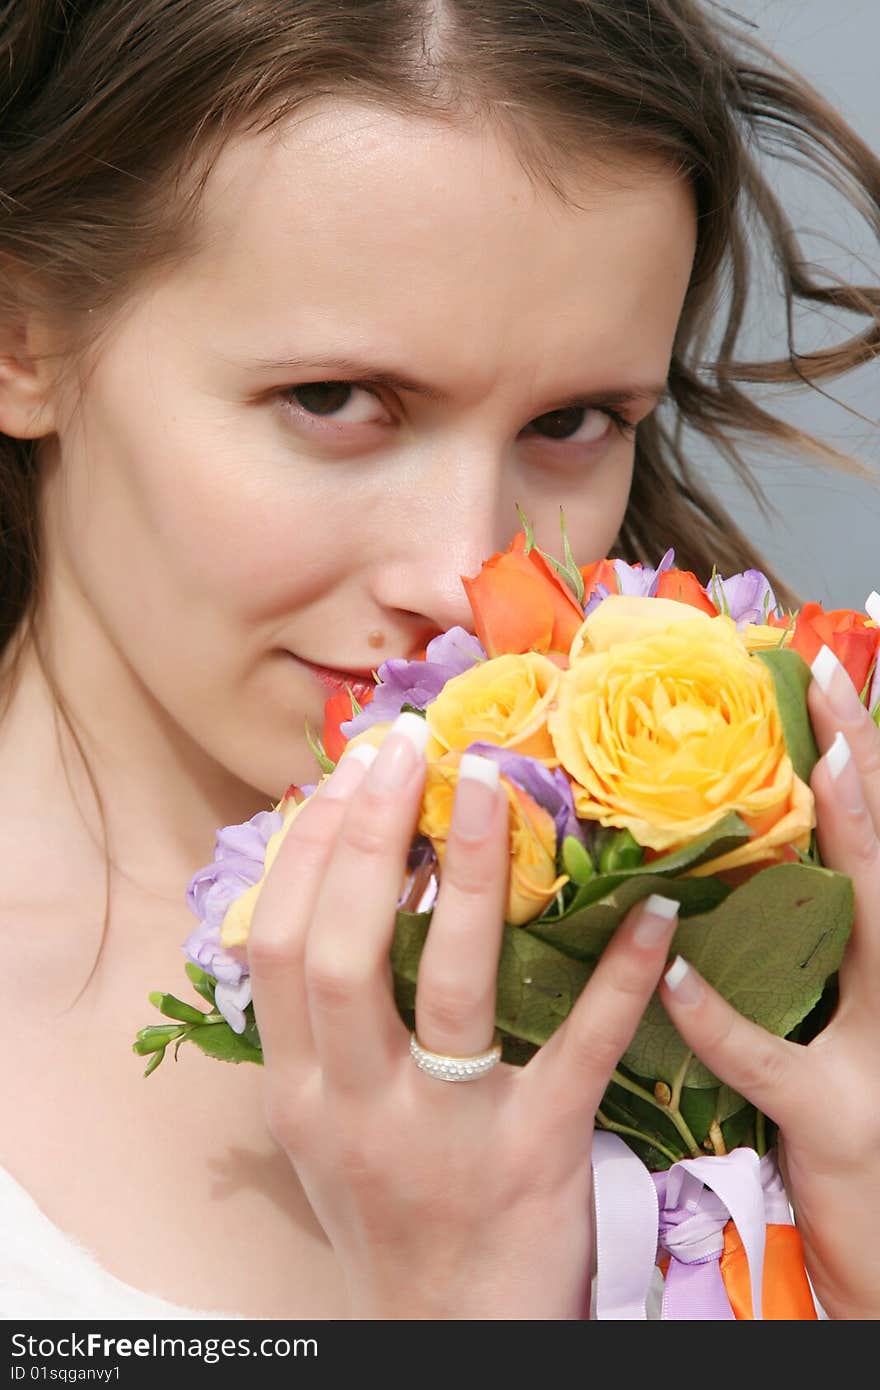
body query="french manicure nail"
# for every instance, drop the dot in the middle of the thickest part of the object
(838, 755)
(349, 771)
(872, 606)
(399, 755)
(656, 917)
(683, 982)
(844, 774)
(474, 796)
(833, 681)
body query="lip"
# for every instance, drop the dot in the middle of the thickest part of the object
(334, 680)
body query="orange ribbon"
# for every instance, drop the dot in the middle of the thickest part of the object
(786, 1290)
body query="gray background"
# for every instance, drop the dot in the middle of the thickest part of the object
(822, 539)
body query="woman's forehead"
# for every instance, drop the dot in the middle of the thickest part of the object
(361, 229)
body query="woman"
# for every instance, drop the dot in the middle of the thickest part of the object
(297, 308)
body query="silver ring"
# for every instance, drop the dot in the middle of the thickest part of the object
(454, 1068)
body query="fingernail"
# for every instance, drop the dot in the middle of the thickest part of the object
(401, 752)
(474, 796)
(656, 919)
(844, 774)
(833, 681)
(872, 606)
(684, 984)
(349, 771)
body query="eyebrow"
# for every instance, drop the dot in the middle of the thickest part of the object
(349, 369)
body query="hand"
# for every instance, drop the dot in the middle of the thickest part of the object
(824, 1097)
(441, 1200)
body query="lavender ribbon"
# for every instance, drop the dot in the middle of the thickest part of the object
(697, 1197)
(625, 1201)
(682, 1213)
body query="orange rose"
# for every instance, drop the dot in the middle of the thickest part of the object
(599, 572)
(520, 604)
(852, 637)
(337, 710)
(685, 587)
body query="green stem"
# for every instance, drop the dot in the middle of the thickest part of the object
(675, 1116)
(605, 1123)
(760, 1134)
(678, 1082)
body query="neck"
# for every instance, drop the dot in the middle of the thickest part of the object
(163, 797)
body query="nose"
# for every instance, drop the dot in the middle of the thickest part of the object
(459, 512)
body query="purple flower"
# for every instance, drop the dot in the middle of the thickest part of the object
(600, 593)
(642, 582)
(232, 1000)
(745, 597)
(239, 857)
(551, 789)
(417, 683)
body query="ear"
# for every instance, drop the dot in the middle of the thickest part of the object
(27, 400)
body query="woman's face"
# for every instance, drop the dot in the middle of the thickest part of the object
(218, 517)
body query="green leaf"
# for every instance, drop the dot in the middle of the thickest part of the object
(866, 688)
(584, 932)
(791, 677)
(575, 584)
(621, 853)
(157, 1036)
(173, 1007)
(576, 862)
(356, 706)
(569, 571)
(768, 949)
(326, 764)
(650, 1119)
(716, 593)
(527, 527)
(536, 984)
(218, 1040)
(202, 983)
(406, 707)
(725, 835)
(700, 1106)
(573, 573)
(154, 1061)
(739, 1128)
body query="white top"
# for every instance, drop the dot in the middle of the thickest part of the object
(46, 1273)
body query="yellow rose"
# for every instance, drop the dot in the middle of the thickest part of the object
(761, 637)
(625, 618)
(665, 732)
(533, 882)
(236, 924)
(504, 701)
(792, 828)
(374, 734)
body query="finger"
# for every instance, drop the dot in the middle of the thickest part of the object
(848, 842)
(835, 706)
(358, 1032)
(765, 1069)
(573, 1068)
(283, 913)
(458, 970)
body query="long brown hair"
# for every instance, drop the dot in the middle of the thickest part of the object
(112, 114)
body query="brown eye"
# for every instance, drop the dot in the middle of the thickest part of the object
(334, 401)
(578, 424)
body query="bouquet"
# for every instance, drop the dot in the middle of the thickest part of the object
(652, 736)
